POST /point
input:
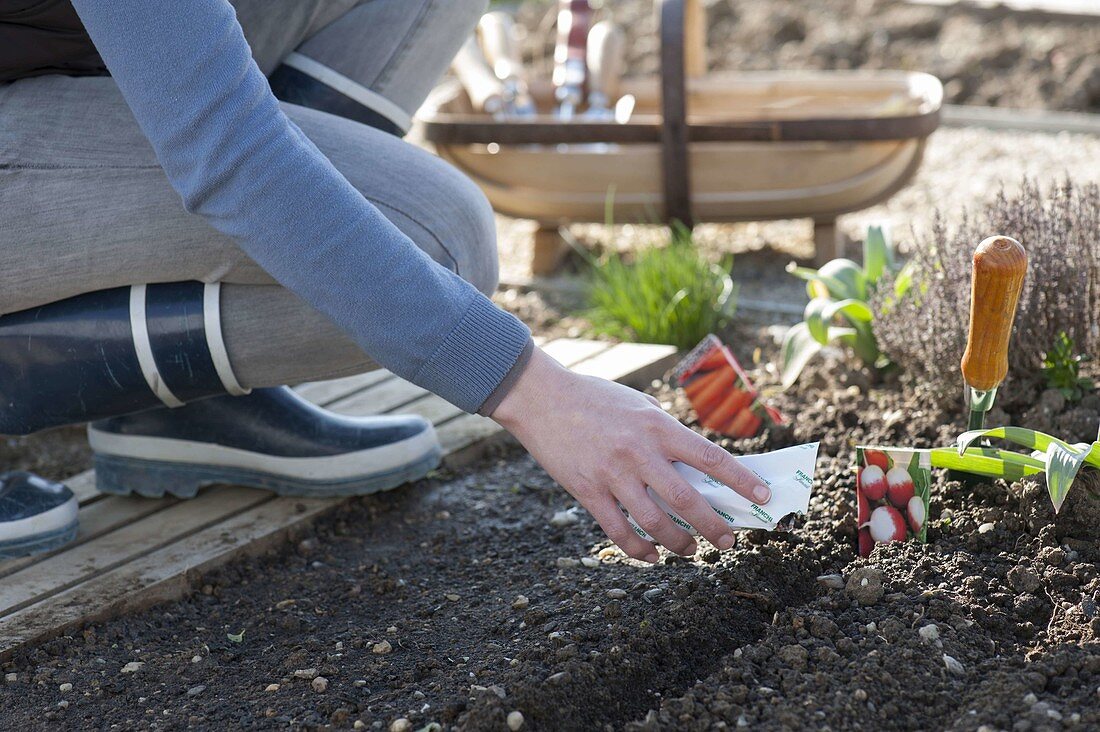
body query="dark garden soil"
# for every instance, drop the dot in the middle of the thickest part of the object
(992, 57)
(465, 598)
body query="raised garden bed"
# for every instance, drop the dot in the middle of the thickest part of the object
(465, 598)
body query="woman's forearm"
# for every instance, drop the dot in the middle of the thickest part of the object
(187, 74)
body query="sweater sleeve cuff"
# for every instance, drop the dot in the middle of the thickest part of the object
(509, 381)
(476, 357)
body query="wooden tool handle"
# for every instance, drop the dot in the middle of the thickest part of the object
(479, 81)
(1000, 264)
(606, 60)
(498, 38)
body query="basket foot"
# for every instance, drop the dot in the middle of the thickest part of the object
(549, 252)
(829, 242)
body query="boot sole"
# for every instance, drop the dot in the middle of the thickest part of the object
(155, 467)
(41, 543)
(129, 476)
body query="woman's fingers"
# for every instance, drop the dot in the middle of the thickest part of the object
(702, 454)
(618, 529)
(688, 504)
(655, 521)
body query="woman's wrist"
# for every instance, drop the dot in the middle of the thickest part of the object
(533, 380)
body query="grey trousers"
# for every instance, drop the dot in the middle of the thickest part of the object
(84, 205)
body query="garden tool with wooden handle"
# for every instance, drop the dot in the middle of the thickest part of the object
(1000, 264)
(606, 60)
(498, 38)
(485, 90)
(570, 65)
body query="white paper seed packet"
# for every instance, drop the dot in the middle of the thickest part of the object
(788, 472)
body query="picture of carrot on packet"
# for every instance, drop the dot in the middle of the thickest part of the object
(746, 424)
(735, 401)
(700, 381)
(712, 395)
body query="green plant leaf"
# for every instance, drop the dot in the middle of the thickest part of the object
(235, 637)
(1062, 465)
(799, 346)
(849, 275)
(904, 281)
(875, 253)
(816, 319)
(989, 464)
(1031, 439)
(861, 340)
(835, 287)
(856, 310)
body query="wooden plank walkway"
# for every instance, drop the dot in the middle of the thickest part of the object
(132, 552)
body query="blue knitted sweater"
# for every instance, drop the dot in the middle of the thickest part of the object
(235, 158)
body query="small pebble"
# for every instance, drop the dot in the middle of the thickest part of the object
(11, 678)
(305, 673)
(520, 603)
(400, 725)
(986, 527)
(196, 690)
(133, 667)
(929, 633)
(653, 594)
(953, 665)
(859, 695)
(359, 724)
(864, 585)
(616, 594)
(272, 687)
(382, 648)
(452, 597)
(590, 562)
(832, 581)
(1030, 698)
(319, 684)
(65, 687)
(515, 720)
(359, 683)
(196, 659)
(63, 704)
(568, 563)
(564, 518)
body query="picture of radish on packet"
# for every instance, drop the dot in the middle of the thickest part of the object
(892, 494)
(720, 392)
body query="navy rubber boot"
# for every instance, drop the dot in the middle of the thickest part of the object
(36, 515)
(111, 352)
(272, 439)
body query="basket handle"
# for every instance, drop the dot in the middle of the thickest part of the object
(675, 16)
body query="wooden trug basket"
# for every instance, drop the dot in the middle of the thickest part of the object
(722, 147)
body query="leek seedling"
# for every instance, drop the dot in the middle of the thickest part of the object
(839, 309)
(1060, 460)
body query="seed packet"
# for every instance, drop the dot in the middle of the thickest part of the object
(788, 472)
(892, 493)
(720, 391)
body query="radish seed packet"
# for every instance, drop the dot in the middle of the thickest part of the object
(720, 391)
(892, 494)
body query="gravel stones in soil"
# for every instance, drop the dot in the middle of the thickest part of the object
(995, 623)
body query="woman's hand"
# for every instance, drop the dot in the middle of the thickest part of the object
(605, 442)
